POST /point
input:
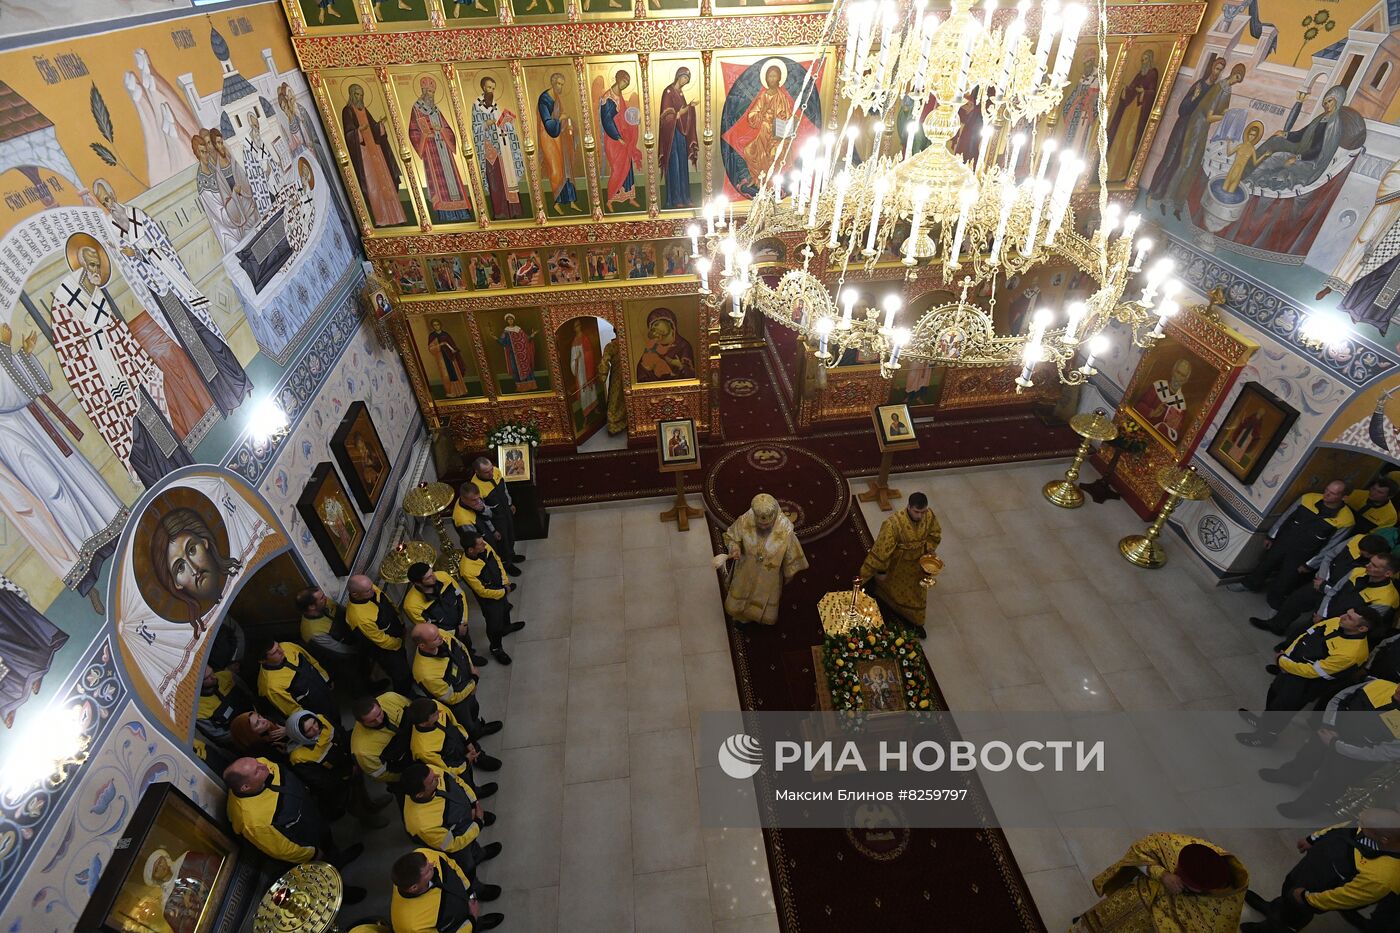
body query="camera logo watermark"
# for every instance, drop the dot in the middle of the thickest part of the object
(740, 756)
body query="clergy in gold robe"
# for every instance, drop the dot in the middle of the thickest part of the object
(893, 561)
(1168, 883)
(766, 554)
(610, 370)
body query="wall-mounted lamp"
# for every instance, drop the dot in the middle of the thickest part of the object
(267, 421)
(44, 749)
(1324, 330)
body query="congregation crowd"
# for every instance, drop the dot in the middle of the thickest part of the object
(373, 696)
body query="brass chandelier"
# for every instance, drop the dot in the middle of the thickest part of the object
(968, 210)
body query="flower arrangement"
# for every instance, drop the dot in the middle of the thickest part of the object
(1131, 439)
(511, 432)
(840, 654)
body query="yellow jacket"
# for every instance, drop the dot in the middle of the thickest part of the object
(1377, 875)
(368, 745)
(471, 569)
(445, 821)
(443, 908)
(447, 675)
(363, 617)
(265, 818)
(416, 606)
(1324, 651)
(443, 746)
(276, 684)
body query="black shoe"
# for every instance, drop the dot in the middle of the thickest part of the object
(1271, 669)
(488, 921)
(1264, 624)
(515, 626)
(486, 790)
(485, 762)
(489, 852)
(1249, 717)
(1280, 776)
(1297, 809)
(500, 655)
(1256, 901)
(513, 570)
(479, 660)
(486, 892)
(488, 728)
(352, 895)
(487, 817)
(1255, 739)
(346, 856)
(517, 557)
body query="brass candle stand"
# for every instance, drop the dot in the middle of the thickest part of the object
(394, 567)
(1092, 426)
(1178, 483)
(304, 900)
(431, 500)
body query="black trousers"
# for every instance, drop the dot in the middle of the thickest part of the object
(1330, 772)
(1277, 573)
(497, 613)
(395, 666)
(1287, 695)
(1297, 611)
(504, 521)
(468, 713)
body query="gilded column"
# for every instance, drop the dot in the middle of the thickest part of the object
(527, 137)
(391, 104)
(464, 139)
(437, 16)
(574, 10)
(294, 17)
(507, 14)
(590, 140)
(331, 121)
(367, 19)
(707, 59)
(648, 136)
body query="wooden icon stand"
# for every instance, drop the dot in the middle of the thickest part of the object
(878, 489)
(680, 464)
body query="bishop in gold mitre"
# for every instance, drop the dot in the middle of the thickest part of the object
(893, 561)
(767, 554)
(1168, 883)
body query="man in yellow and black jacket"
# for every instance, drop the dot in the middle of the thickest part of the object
(443, 811)
(1304, 670)
(1344, 867)
(445, 672)
(380, 739)
(290, 679)
(371, 615)
(472, 516)
(325, 634)
(222, 696)
(433, 895)
(1372, 585)
(1360, 733)
(1330, 567)
(279, 816)
(1372, 506)
(482, 570)
(319, 754)
(1315, 521)
(437, 597)
(494, 489)
(439, 740)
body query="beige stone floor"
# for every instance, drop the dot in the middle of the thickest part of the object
(625, 647)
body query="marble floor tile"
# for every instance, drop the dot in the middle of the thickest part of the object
(597, 596)
(595, 866)
(560, 541)
(763, 923)
(691, 548)
(1065, 667)
(1001, 660)
(1038, 849)
(597, 638)
(1060, 894)
(529, 817)
(956, 671)
(665, 802)
(527, 910)
(1025, 698)
(709, 688)
(643, 530)
(538, 694)
(1143, 690)
(656, 695)
(1098, 628)
(737, 866)
(673, 901)
(649, 599)
(595, 736)
(598, 529)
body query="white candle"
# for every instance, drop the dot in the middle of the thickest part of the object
(1167, 309)
(1156, 275)
(848, 303)
(988, 132)
(1017, 141)
(1073, 20)
(916, 224)
(736, 294)
(1039, 193)
(693, 231)
(852, 132)
(823, 329)
(812, 204)
(911, 129)
(1009, 192)
(1109, 221)
(898, 339)
(1014, 32)
(843, 184)
(1032, 354)
(969, 39)
(1049, 24)
(727, 247)
(709, 220)
(1047, 150)
(1040, 320)
(1075, 315)
(1097, 347)
(891, 304)
(721, 205)
(966, 198)
(880, 186)
(1070, 167)
(1143, 247)
(702, 269)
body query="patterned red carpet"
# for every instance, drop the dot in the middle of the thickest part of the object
(750, 404)
(808, 488)
(891, 880)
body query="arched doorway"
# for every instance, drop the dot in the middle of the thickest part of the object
(579, 342)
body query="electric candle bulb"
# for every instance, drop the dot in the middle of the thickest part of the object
(1039, 321)
(728, 247)
(880, 187)
(736, 294)
(1031, 355)
(989, 133)
(1014, 34)
(823, 329)
(1165, 311)
(1049, 25)
(966, 198)
(1071, 22)
(891, 305)
(911, 130)
(1047, 150)
(848, 302)
(1009, 193)
(1017, 141)
(1039, 192)
(1097, 347)
(1143, 246)
(1131, 223)
(721, 205)
(898, 338)
(915, 225)
(709, 219)
(702, 268)
(693, 231)
(843, 184)
(744, 260)
(1111, 215)
(1075, 316)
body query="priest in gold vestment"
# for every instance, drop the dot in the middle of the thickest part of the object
(1168, 883)
(766, 554)
(893, 561)
(610, 371)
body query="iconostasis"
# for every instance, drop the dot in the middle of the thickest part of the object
(523, 178)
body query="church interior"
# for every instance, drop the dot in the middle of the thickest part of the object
(454, 454)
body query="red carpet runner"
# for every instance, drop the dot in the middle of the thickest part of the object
(895, 880)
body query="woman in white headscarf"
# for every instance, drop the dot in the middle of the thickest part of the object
(766, 554)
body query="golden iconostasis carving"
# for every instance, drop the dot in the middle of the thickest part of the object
(523, 156)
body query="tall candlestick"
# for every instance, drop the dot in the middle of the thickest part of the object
(966, 198)
(1039, 192)
(848, 303)
(843, 184)
(1075, 315)
(693, 231)
(1072, 20)
(916, 225)
(891, 304)
(880, 186)
(702, 269)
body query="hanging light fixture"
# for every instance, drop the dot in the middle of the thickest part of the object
(972, 211)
